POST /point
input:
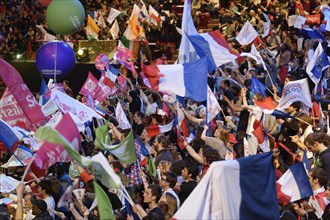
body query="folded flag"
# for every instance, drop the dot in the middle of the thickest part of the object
(294, 185)
(214, 47)
(293, 91)
(247, 34)
(317, 64)
(187, 80)
(7, 183)
(227, 192)
(154, 130)
(8, 135)
(257, 86)
(121, 117)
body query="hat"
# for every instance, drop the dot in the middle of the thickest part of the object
(41, 204)
(232, 138)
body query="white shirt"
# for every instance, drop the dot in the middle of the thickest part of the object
(50, 205)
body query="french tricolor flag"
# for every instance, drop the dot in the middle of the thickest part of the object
(215, 47)
(293, 185)
(154, 130)
(186, 80)
(234, 189)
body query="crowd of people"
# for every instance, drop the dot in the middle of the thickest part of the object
(182, 155)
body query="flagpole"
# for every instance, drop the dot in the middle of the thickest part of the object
(28, 167)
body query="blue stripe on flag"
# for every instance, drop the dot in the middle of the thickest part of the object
(7, 136)
(301, 178)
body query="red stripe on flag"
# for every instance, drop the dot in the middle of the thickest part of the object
(153, 130)
(153, 74)
(217, 37)
(282, 198)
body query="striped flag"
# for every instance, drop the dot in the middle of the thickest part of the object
(92, 29)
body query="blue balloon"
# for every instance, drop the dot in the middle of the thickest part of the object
(60, 52)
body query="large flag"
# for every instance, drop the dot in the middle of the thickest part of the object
(11, 112)
(228, 192)
(103, 203)
(266, 26)
(8, 135)
(215, 47)
(99, 164)
(186, 80)
(317, 64)
(7, 183)
(121, 117)
(247, 34)
(92, 29)
(67, 104)
(295, 91)
(213, 107)
(154, 130)
(49, 153)
(257, 86)
(21, 153)
(114, 30)
(112, 15)
(311, 33)
(22, 94)
(124, 151)
(187, 51)
(294, 185)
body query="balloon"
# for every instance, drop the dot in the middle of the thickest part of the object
(45, 2)
(65, 16)
(65, 59)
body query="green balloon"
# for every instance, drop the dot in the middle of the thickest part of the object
(65, 16)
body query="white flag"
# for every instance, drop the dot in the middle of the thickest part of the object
(213, 107)
(100, 20)
(295, 91)
(121, 117)
(153, 16)
(67, 104)
(112, 15)
(247, 34)
(22, 153)
(114, 31)
(266, 26)
(254, 54)
(7, 183)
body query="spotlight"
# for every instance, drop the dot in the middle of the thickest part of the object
(80, 52)
(83, 55)
(18, 56)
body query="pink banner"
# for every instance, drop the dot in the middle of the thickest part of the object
(91, 84)
(50, 153)
(105, 88)
(22, 94)
(11, 113)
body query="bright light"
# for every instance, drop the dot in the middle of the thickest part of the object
(18, 56)
(80, 52)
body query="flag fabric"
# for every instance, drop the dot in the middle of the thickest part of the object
(52, 151)
(317, 64)
(254, 54)
(133, 22)
(125, 57)
(112, 73)
(294, 184)
(154, 130)
(107, 88)
(213, 107)
(90, 102)
(152, 166)
(187, 52)
(267, 103)
(144, 15)
(326, 12)
(112, 15)
(104, 206)
(257, 86)
(49, 108)
(277, 113)
(154, 16)
(43, 89)
(11, 112)
(90, 85)
(22, 94)
(123, 122)
(8, 135)
(266, 26)
(187, 80)
(310, 33)
(7, 183)
(214, 47)
(295, 91)
(92, 29)
(67, 104)
(247, 34)
(21, 153)
(227, 192)
(299, 22)
(114, 30)
(305, 161)
(100, 20)
(124, 151)
(313, 19)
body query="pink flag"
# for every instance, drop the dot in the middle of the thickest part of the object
(50, 153)
(22, 94)
(125, 57)
(11, 113)
(106, 88)
(90, 85)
